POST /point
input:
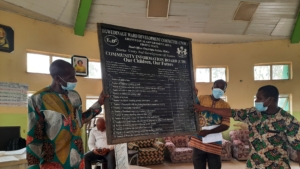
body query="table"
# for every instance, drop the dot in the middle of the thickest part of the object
(22, 164)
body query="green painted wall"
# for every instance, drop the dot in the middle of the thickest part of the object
(296, 115)
(13, 119)
(226, 133)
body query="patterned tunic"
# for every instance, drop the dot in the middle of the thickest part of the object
(54, 130)
(269, 136)
(208, 119)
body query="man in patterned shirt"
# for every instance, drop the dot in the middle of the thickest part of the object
(271, 130)
(55, 119)
(210, 152)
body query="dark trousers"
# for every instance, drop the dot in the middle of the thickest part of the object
(200, 157)
(91, 157)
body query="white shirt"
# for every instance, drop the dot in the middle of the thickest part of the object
(97, 139)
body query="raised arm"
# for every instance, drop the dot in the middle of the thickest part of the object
(223, 126)
(91, 112)
(222, 112)
(241, 115)
(95, 109)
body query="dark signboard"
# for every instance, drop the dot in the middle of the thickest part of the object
(149, 78)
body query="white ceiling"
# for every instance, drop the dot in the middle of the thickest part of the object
(205, 21)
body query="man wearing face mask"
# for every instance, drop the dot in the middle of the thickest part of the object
(55, 119)
(271, 129)
(210, 152)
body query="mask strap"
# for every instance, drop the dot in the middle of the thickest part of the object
(267, 100)
(62, 79)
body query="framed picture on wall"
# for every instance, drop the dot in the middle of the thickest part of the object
(6, 39)
(81, 65)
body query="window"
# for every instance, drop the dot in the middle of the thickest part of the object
(38, 63)
(95, 70)
(29, 94)
(54, 58)
(205, 75)
(283, 102)
(272, 72)
(90, 100)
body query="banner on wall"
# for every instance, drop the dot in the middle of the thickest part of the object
(13, 94)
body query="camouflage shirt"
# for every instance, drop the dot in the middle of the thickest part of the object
(269, 136)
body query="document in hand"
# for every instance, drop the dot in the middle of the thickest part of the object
(211, 137)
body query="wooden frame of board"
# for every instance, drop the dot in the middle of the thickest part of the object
(113, 42)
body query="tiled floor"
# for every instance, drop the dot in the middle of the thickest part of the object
(233, 164)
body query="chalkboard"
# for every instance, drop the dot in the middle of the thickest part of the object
(149, 78)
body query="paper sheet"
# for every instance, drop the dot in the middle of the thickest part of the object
(8, 158)
(121, 156)
(15, 152)
(211, 137)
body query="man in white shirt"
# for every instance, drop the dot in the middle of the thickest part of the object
(99, 148)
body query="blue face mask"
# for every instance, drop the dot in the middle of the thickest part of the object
(259, 106)
(217, 93)
(70, 85)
